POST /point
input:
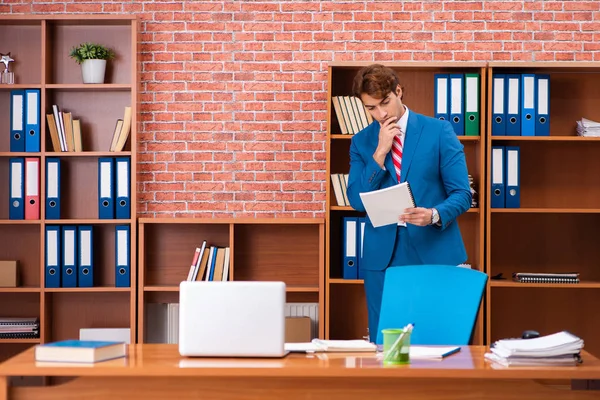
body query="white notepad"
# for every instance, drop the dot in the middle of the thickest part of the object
(384, 206)
(319, 345)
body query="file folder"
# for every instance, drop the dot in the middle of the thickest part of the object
(350, 233)
(527, 105)
(106, 195)
(69, 256)
(441, 96)
(122, 269)
(362, 222)
(513, 108)
(53, 255)
(122, 207)
(17, 120)
(513, 193)
(472, 104)
(53, 188)
(497, 177)
(32, 120)
(32, 188)
(85, 273)
(542, 110)
(498, 105)
(457, 108)
(17, 188)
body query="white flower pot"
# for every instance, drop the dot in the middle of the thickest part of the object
(93, 71)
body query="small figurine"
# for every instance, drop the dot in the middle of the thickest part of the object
(6, 60)
(7, 76)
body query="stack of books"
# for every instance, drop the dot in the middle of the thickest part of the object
(65, 130)
(351, 114)
(19, 328)
(210, 263)
(558, 349)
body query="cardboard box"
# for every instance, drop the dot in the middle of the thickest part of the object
(8, 274)
(297, 330)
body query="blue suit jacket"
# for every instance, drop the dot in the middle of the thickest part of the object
(433, 162)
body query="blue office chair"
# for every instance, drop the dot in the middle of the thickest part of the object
(441, 300)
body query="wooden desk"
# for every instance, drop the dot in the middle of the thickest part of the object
(158, 372)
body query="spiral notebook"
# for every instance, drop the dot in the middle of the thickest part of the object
(536, 277)
(384, 206)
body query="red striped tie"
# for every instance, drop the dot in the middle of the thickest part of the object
(397, 155)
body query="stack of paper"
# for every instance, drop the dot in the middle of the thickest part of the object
(318, 345)
(587, 127)
(361, 346)
(561, 348)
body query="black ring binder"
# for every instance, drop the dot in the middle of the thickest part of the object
(412, 197)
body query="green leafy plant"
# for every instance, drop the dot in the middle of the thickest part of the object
(91, 51)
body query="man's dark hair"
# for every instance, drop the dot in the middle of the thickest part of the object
(376, 80)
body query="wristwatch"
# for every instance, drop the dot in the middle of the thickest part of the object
(435, 216)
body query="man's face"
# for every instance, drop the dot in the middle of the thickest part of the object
(382, 109)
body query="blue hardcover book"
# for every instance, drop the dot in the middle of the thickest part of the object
(79, 351)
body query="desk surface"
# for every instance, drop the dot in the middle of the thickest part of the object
(147, 360)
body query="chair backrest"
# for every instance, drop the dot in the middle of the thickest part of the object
(441, 300)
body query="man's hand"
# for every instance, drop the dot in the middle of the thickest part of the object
(388, 130)
(417, 216)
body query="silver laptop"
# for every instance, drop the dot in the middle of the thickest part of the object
(232, 319)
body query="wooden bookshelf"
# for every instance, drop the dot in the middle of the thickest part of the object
(288, 250)
(555, 228)
(345, 301)
(40, 45)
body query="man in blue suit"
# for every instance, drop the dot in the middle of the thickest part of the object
(401, 145)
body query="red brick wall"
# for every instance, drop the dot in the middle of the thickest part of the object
(234, 92)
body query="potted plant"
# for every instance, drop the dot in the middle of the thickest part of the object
(92, 57)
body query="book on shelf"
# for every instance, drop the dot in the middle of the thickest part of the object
(340, 186)
(80, 351)
(65, 131)
(210, 263)
(541, 277)
(561, 348)
(351, 114)
(121, 132)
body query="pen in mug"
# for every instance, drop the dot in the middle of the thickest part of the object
(407, 329)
